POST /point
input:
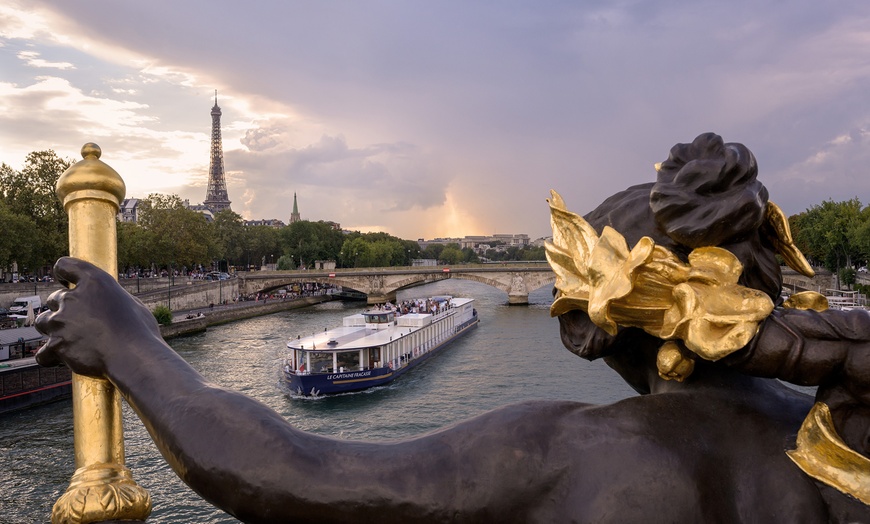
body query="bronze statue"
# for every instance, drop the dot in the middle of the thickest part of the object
(706, 441)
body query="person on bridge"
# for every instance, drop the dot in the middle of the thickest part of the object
(708, 449)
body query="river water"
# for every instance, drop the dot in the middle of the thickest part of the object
(515, 354)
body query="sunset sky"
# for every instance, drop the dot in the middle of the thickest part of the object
(433, 119)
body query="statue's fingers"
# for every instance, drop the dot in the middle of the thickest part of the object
(47, 355)
(69, 270)
(54, 300)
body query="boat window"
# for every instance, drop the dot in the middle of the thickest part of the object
(300, 358)
(379, 318)
(320, 362)
(349, 360)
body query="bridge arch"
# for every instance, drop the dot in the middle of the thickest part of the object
(382, 284)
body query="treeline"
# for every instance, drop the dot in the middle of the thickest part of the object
(834, 235)
(33, 234)
(33, 224)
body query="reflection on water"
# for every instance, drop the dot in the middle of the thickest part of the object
(515, 354)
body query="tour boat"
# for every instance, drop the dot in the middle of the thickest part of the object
(376, 346)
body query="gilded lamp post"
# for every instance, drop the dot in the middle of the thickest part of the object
(102, 488)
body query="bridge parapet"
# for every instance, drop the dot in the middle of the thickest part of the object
(381, 284)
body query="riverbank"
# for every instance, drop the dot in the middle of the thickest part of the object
(222, 314)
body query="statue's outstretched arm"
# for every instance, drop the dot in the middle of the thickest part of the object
(246, 459)
(811, 348)
(829, 349)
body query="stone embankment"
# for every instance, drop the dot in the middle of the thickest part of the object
(232, 312)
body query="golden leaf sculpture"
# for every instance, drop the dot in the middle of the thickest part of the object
(649, 287)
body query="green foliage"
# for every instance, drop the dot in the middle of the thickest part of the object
(230, 241)
(32, 213)
(307, 241)
(833, 233)
(451, 255)
(16, 237)
(167, 234)
(847, 276)
(261, 243)
(163, 315)
(377, 250)
(433, 251)
(515, 253)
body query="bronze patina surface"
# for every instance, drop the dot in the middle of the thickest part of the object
(707, 447)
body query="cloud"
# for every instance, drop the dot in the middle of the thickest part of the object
(31, 58)
(414, 117)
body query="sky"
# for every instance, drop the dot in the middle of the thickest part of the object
(438, 119)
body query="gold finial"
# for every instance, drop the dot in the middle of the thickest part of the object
(91, 178)
(91, 150)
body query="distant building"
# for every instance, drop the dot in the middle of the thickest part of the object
(271, 222)
(327, 265)
(129, 210)
(206, 211)
(480, 243)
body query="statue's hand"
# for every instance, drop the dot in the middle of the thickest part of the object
(90, 322)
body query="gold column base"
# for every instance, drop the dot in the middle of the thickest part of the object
(99, 493)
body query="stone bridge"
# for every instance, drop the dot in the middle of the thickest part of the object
(381, 284)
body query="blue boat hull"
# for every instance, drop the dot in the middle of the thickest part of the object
(334, 383)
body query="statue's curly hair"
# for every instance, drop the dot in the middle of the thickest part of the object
(706, 194)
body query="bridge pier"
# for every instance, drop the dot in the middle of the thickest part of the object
(518, 300)
(373, 299)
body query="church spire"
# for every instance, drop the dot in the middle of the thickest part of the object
(294, 216)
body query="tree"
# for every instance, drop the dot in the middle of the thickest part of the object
(412, 249)
(307, 241)
(433, 251)
(830, 233)
(177, 236)
(355, 252)
(133, 246)
(228, 230)
(16, 237)
(31, 193)
(261, 242)
(451, 254)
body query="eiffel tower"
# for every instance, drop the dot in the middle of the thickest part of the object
(216, 198)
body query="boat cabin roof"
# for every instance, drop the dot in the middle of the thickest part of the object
(354, 335)
(346, 338)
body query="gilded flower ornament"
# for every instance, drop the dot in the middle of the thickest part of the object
(647, 286)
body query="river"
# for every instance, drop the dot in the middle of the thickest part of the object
(515, 354)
